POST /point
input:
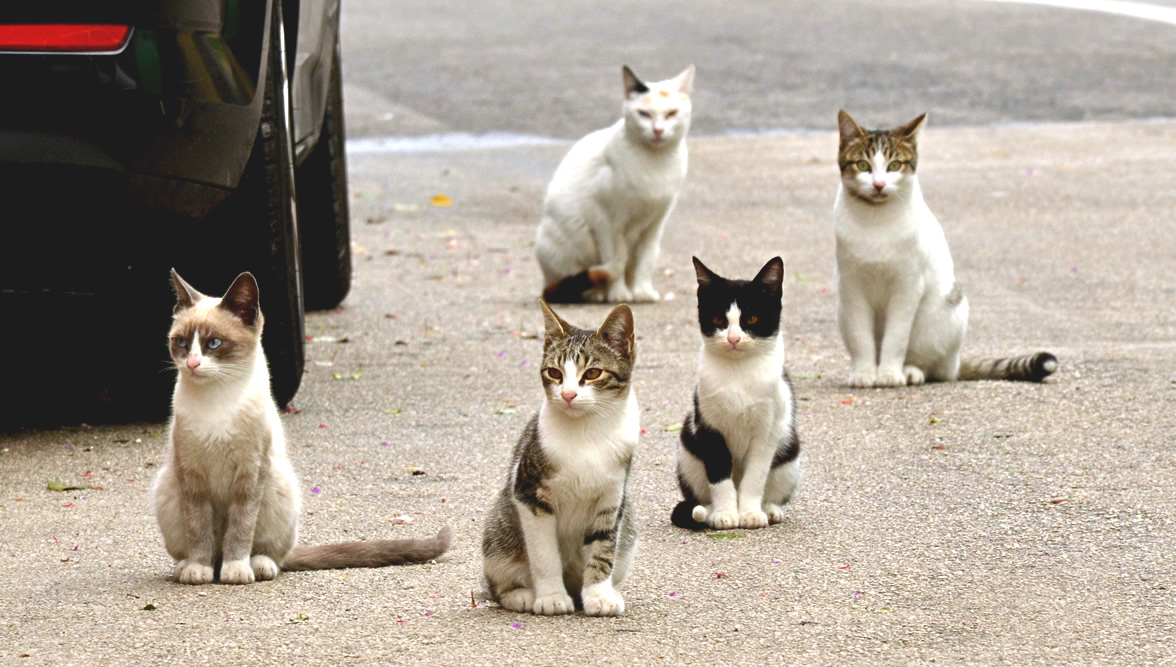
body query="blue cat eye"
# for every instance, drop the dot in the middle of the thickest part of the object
(214, 343)
(182, 343)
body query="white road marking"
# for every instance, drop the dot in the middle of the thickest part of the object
(448, 142)
(1139, 10)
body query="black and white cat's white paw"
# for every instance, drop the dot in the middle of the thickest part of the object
(602, 600)
(236, 572)
(719, 520)
(914, 375)
(264, 567)
(753, 519)
(193, 574)
(862, 377)
(775, 513)
(521, 600)
(890, 377)
(553, 604)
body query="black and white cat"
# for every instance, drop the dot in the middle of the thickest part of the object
(561, 532)
(610, 197)
(739, 457)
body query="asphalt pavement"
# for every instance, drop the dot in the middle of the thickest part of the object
(970, 523)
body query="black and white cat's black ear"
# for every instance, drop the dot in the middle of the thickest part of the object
(848, 127)
(186, 295)
(554, 326)
(242, 299)
(685, 80)
(911, 130)
(705, 276)
(617, 331)
(772, 275)
(633, 85)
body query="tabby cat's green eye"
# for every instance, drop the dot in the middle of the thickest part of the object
(863, 165)
(894, 166)
(592, 373)
(552, 373)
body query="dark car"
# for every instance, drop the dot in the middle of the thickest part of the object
(205, 135)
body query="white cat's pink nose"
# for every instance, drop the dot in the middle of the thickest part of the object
(193, 362)
(568, 395)
(657, 130)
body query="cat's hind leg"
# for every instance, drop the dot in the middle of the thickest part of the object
(507, 581)
(705, 463)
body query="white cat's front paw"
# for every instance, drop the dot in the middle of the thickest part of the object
(194, 574)
(753, 519)
(645, 294)
(236, 572)
(618, 292)
(914, 375)
(862, 377)
(264, 567)
(603, 600)
(723, 520)
(775, 513)
(521, 600)
(890, 377)
(554, 604)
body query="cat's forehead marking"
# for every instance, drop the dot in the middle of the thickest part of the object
(663, 92)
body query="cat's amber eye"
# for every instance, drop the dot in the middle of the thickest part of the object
(553, 374)
(894, 166)
(592, 373)
(181, 343)
(752, 319)
(863, 165)
(720, 321)
(671, 114)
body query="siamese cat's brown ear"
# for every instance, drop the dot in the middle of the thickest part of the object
(242, 299)
(186, 295)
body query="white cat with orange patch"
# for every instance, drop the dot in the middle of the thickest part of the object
(610, 197)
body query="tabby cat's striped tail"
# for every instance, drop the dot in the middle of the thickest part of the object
(1026, 368)
(572, 288)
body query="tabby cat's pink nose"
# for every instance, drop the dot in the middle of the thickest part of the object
(879, 185)
(568, 396)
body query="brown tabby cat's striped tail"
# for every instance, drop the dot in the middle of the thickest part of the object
(375, 553)
(1026, 368)
(572, 288)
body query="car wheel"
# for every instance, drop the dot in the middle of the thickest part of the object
(323, 212)
(256, 230)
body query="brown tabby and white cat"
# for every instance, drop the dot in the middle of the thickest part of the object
(226, 498)
(563, 523)
(901, 312)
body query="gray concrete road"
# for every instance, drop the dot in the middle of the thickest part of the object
(968, 523)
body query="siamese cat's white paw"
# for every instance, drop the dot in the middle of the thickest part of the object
(602, 600)
(194, 573)
(723, 520)
(914, 375)
(264, 567)
(890, 377)
(775, 513)
(554, 604)
(865, 377)
(520, 600)
(646, 294)
(236, 572)
(753, 519)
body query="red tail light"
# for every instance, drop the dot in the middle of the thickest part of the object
(68, 38)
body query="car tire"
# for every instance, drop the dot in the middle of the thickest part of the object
(324, 217)
(257, 230)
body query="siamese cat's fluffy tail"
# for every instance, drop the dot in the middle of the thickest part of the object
(374, 553)
(1026, 368)
(572, 288)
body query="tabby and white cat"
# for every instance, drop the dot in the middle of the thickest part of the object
(226, 498)
(739, 458)
(901, 312)
(608, 202)
(561, 532)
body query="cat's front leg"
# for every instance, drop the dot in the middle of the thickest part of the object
(900, 317)
(751, 486)
(244, 502)
(855, 317)
(196, 507)
(645, 261)
(599, 596)
(539, 533)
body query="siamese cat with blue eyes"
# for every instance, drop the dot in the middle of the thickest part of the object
(226, 497)
(608, 202)
(901, 312)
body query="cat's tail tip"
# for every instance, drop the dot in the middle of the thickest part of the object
(572, 288)
(1026, 368)
(683, 516)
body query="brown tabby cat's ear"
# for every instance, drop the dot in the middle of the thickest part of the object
(848, 127)
(772, 275)
(911, 130)
(554, 326)
(617, 331)
(242, 299)
(705, 276)
(633, 85)
(186, 296)
(686, 80)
